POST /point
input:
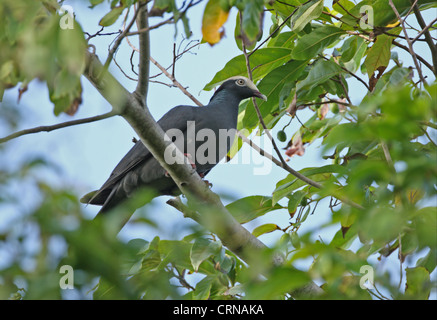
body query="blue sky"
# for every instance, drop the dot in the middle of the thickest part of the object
(86, 154)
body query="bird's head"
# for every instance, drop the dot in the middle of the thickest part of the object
(241, 87)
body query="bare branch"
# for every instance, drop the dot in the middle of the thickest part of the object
(58, 126)
(175, 82)
(144, 64)
(118, 41)
(410, 45)
(147, 29)
(425, 29)
(432, 46)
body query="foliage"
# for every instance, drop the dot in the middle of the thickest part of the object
(377, 149)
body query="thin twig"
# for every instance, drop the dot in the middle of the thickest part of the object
(274, 31)
(387, 155)
(175, 82)
(147, 29)
(410, 45)
(58, 126)
(186, 211)
(426, 63)
(121, 69)
(425, 29)
(168, 75)
(395, 43)
(174, 61)
(432, 46)
(118, 42)
(401, 273)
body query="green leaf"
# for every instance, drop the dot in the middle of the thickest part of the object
(177, 253)
(378, 55)
(112, 16)
(295, 200)
(315, 42)
(284, 39)
(383, 14)
(71, 50)
(167, 5)
(280, 281)
(429, 261)
(95, 2)
(351, 58)
(271, 85)
(426, 226)
(266, 59)
(252, 15)
(322, 71)
(295, 240)
(203, 288)
(418, 284)
(202, 249)
(305, 14)
(250, 208)
(290, 183)
(265, 228)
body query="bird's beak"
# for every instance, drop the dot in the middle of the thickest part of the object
(259, 95)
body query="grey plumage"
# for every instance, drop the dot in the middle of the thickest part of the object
(139, 169)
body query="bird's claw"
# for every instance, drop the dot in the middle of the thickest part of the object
(208, 184)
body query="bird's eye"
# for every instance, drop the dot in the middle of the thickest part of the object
(240, 82)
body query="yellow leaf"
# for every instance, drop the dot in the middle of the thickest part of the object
(392, 25)
(213, 19)
(414, 195)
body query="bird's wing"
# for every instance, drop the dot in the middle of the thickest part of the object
(175, 118)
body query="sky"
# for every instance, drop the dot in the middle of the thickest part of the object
(87, 154)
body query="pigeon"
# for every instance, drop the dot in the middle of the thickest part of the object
(204, 134)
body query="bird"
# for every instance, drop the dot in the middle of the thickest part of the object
(196, 131)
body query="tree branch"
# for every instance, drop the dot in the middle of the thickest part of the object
(410, 45)
(144, 64)
(432, 46)
(57, 126)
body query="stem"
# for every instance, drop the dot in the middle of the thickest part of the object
(57, 126)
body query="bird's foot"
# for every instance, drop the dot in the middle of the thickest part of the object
(208, 184)
(189, 157)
